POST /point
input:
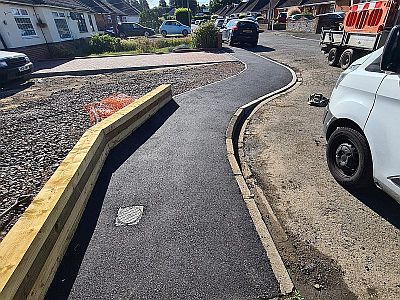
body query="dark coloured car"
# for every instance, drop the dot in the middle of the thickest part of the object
(330, 21)
(240, 32)
(130, 29)
(282, 17)
(14, 66)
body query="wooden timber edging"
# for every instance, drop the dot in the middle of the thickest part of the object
(31, 252)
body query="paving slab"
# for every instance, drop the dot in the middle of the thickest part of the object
(85, 66)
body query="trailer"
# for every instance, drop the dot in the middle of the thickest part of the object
(365, 29)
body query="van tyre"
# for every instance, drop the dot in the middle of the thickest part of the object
(346, 59)
(349, 158)
(333, 57)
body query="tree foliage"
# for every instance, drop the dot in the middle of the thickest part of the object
(217, 4)
(151, 18)
(144, 5)
(183, 15)
(193, 5)
(162, 3)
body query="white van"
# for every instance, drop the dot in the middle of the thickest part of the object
(362, 122)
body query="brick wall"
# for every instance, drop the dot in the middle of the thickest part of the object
(56, 50)
(35, 53)
(303, 25)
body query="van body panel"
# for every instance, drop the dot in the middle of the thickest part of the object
(383, 132)
(354, 96)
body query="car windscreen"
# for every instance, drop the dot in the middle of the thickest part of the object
(247, 25)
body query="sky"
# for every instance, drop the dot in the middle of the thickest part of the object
(153, 3)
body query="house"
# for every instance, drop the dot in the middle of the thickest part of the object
(314, 7)
(130, 12)
(33, 26)
(28, 26)
(109, 12)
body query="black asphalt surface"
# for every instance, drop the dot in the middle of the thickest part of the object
(196, 239)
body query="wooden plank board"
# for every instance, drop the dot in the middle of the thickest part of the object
(31, 251)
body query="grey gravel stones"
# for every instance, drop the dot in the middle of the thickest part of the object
(41, 124)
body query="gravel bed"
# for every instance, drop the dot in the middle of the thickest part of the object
(40, 124)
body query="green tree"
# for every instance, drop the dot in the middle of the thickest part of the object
(151, 18)
(193, 5)
(183, 15)
(217, 4)
(144, 5)
(162, 3)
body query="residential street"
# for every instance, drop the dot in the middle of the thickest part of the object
(196, 239)
(345, 243)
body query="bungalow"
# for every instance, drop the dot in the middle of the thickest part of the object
(110, 12)
(29, 25)
(314, 7)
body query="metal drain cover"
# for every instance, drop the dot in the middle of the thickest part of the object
(130, 215)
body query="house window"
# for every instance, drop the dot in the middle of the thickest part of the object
(61, 24)
(81, 23)
(91, 22)
(23, 20)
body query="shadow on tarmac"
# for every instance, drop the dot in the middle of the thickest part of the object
(258, 48)
(68, 270)
(380, 203)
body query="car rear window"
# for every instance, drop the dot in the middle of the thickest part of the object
(250, 25)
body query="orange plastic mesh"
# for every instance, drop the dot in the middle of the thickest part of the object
(100, 110)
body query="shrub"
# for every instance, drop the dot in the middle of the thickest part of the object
(183, 15)
(279, 26)
(105, 43)
(69, 49)
(206, 36)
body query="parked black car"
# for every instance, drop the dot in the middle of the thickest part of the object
(128, 29)
(14, 66)
(330, 21)
(240, 31)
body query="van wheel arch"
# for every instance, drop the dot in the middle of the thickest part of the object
(342, 123)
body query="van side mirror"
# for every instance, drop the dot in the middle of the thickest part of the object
(391, 52)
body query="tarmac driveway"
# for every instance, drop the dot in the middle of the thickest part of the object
(196, 239)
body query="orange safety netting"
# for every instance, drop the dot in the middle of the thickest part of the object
(100, 110)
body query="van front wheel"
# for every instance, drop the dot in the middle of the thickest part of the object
(349, 158)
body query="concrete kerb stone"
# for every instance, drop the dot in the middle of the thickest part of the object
(244, 176)
(31, 251)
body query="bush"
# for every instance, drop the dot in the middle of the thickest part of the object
(145, 45)
(206, 36)
(105, 43)
(183, 15)
(69, 49)
(279, 26)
